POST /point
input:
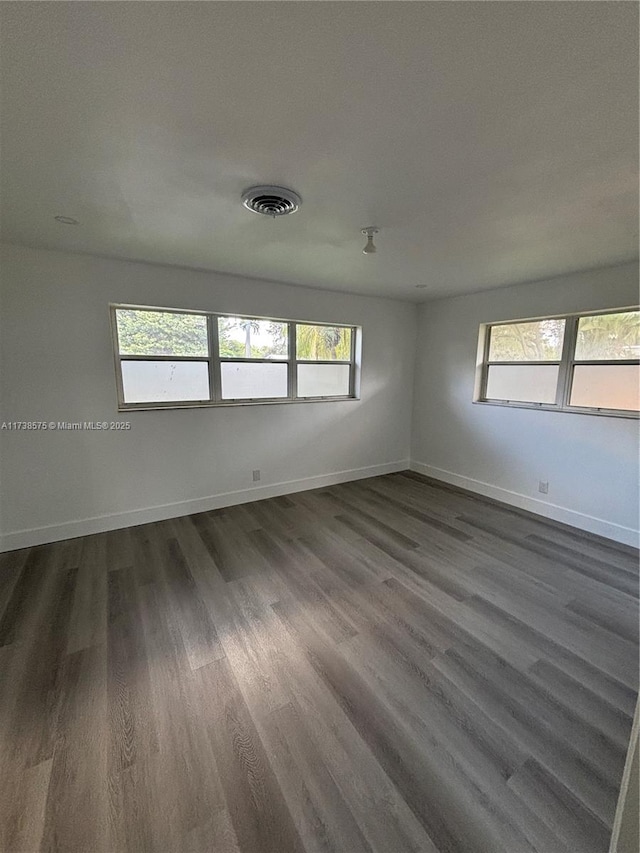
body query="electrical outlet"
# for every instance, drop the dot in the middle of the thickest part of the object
(543, 486)
(256, 475)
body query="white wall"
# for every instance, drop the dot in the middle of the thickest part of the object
(57, 365)
(591, 462)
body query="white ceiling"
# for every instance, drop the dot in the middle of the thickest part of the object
(491, 143)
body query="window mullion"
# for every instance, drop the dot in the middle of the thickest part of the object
(566, 361)
(292, 374)
(485, 364)
(215, 373)
(352, 364)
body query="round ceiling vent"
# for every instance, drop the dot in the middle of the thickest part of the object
(271, 201)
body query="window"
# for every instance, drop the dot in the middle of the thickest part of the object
(524, 361)
(323, 360)
(169, 359)
(581, 363)
(253, 358)
(605, 367)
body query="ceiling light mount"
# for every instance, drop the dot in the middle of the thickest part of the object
(369, 233)
(269, 200)
(66, 220)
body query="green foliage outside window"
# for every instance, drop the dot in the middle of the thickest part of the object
(246, 337)
(537, 341)
(600, 337)
(165, 333)
(161, 333)
(323, 343)
(609, 336)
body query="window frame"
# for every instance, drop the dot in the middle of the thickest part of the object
(298, 361)
(566, 366)
(214, 362)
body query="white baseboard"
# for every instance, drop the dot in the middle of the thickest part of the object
(608, 529)
(101, 523)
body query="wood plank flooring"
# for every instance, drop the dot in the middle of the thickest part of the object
(390, 665)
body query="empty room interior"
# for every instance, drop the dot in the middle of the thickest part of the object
(320, 360)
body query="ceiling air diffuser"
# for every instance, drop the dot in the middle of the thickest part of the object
(271, 201)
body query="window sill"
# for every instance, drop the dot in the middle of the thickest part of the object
(572, 410)
(228, 404)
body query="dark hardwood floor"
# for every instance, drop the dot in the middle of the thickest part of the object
(389, 665)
